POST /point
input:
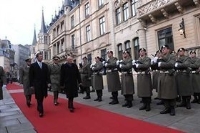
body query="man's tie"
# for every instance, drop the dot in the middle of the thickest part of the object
(40, 65)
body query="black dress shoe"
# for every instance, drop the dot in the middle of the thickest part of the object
(97, 99)
(56, 103)
(125, 105)
(172, 111)
(144, 106)
(87, 97)
(40, 114)
(71, 109)
(114, 102)
(28, 104)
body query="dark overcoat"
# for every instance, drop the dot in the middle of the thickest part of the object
(183, 76)
(2, 81)
(70, 79)
(144, 84)
(24, 79)
(97, 80)
(127, 77)
(195, 65)
(86, 73)
(39, 79)
(112, 75)
(166, 82)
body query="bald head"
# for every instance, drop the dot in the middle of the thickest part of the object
(69, 59)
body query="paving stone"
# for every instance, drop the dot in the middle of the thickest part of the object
(9, 113)
(20, 128)
(9, 117)
(188, 128)
(23, 120)
(27, 131)
(9, 122)
(10, 110)
(3, 130)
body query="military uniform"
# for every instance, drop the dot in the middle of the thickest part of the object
(54, 72)
(183, 79)
(24, 79)
(127, 81)
(167, 90)
(86, 73)
(2, 81)
(195, 64)
(144, 84)
(113, 80)
(97, 80)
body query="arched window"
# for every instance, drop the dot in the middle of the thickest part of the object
(120, 51)
(128, 46)
(136, 48)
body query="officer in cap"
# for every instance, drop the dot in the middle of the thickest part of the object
(54, 72)
(167, 90)
(195, 65)
(24, 79)
(183, 77)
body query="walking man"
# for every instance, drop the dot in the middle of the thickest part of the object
(39, 80)
(2, 81)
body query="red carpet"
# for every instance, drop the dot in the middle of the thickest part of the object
(13, 86)
(85, 119)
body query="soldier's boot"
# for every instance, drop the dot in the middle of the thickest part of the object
(183, 102)
(144, 106)
(114, 101)
(97, 99)
(172, 111)
(178, 99)
(100, 99)
(87, 93)
(165, 111)
(160, 103)
(188, 105)
(130, 104)
(98, 95)
(148, 101)
(125, 104)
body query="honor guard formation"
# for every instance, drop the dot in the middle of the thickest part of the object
(174, 76)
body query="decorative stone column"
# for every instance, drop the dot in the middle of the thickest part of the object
(141, 31)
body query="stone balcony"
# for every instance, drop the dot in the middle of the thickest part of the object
(156, 9)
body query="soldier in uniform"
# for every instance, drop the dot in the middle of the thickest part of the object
(167, 90)
(54, 72)
(97, 80)
(24, 79)
(125, 67)
(113, 80)
(195, 65)
(142, 66)
(183, 78)
(86, 77)
(2, 81)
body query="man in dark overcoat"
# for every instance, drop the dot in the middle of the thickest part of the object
(125, 67)
(183, 78)
(195, 69)
(144, 84)
(70, 79)
(112, 75)
(39, 80)
(2, 81)
(167, 90)
(24, 79)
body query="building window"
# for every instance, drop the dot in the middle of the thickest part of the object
(72, 21)
(87, 9)
(88, 33)
(46, 55)
(128, 46)
(165, 37)
(133, 7)
(62, 26)
(136, 48)
(45, 39)
(57, 48)
(73, 41)
(120, 51)
(89, 56)
(118, 16)
(102, 25)
(62, 45)
(101, 3)
(125, 11)
(103, 54)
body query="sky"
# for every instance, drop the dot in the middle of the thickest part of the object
(19, 17)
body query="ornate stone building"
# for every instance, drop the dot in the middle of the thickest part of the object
(92, 27)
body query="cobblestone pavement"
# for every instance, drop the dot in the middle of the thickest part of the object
(13, 121)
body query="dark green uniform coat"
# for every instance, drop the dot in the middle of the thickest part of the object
(183, 76)
(86, 75)
(195, 64)
(144, 84)
(127, 77)
(97, 80)
(166, 82)
(54, 72)
(24, 79)
(113, 80)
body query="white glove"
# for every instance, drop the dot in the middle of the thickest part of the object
(133, 62)
(137, 65)
(103, 62)
(159, 64)
(91, 65)
(121, 61)
(93, 68)
(106, 64)
(49, 85)
(4, 87)
(176, 64)
(120, 66)
(152, 62)
(117, 62)
(155, 59)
